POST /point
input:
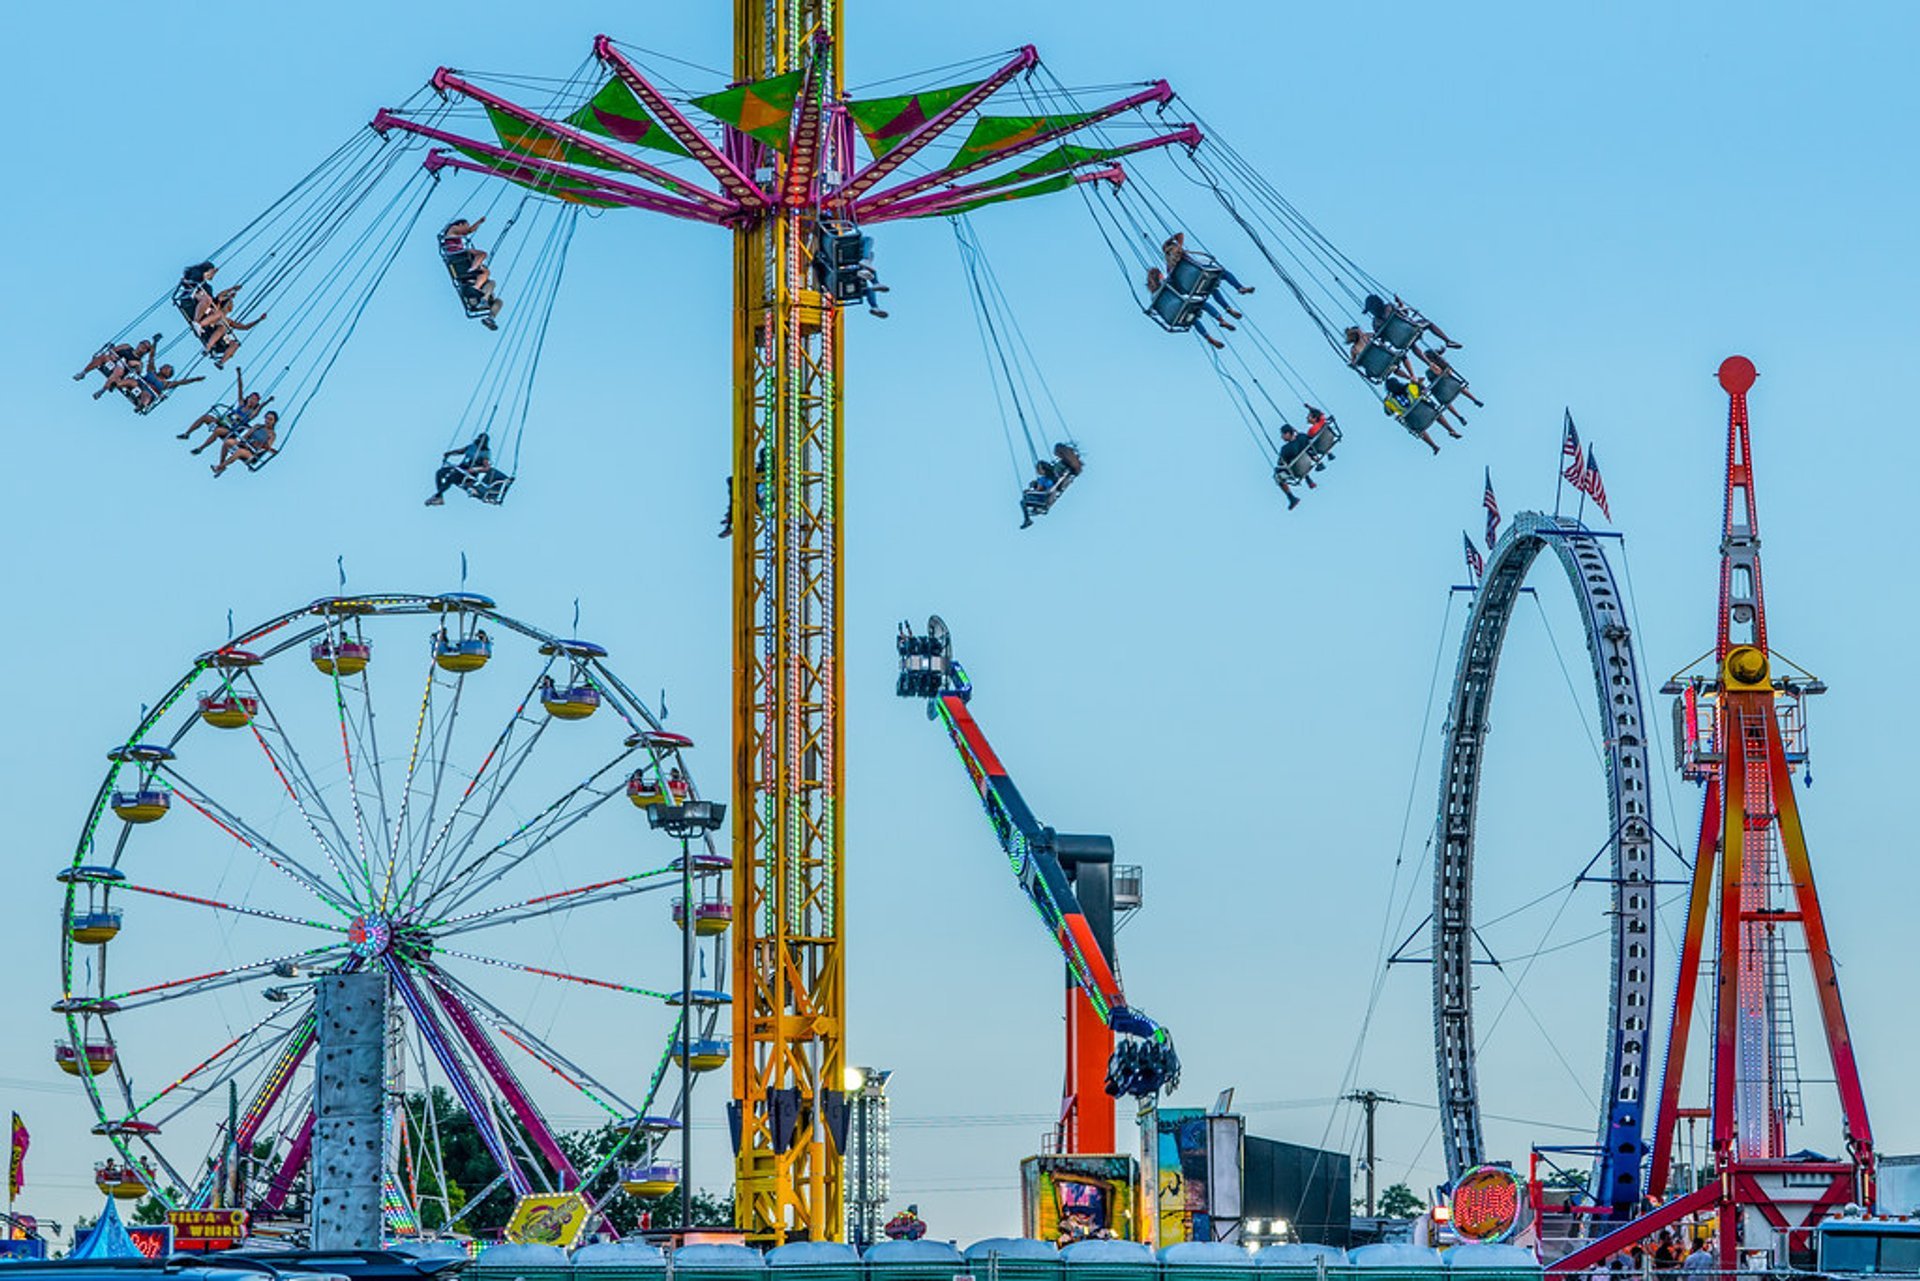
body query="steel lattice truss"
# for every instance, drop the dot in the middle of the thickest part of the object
(415, 784)
(1630, 846)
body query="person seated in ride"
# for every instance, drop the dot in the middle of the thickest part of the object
(193, 284)
(1293, 443)
(1380, 311)
(214, 325)
(1438, 366)
(120, 353)
(457, 253)
(1400, 398)
(1316, 419)
(475, 460)
(677, 786)
(1358, 340)
(228, 422)
(147, 389)
(1175, 248)
(1156, 278)
(868, 280)
(255, 444)
(1037, 496)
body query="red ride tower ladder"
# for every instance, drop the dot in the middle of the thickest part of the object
(1750, 835)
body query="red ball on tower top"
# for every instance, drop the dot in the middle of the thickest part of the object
(1737, 374)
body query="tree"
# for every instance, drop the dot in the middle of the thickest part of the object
(151, 1211)
(1401, 1202)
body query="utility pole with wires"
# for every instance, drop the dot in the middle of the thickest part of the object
(1371, 1101)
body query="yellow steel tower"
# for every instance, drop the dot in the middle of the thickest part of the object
(790, 1003)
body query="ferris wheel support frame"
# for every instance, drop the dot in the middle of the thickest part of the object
(1620, 1141)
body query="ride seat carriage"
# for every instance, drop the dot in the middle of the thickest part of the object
(1184, 292)
(1446, 389)
(488, 484)
(1044, 491)
(242, 430)
(1319, 448)
(1420, 415)
(1376, 360)
(1398, 330)
(840, 254)
(457, 257)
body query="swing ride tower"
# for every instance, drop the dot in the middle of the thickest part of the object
(789, 1008)
(789, 186)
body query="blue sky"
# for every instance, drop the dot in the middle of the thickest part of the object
(1602, 204)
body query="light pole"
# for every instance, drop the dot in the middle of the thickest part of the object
(686, 820)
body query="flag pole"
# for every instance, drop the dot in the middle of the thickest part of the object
(1560, 472)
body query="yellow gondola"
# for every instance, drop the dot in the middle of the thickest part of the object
(573, 703)
(120, 1180)
(341, 657)
(98, 1058)
(228, 711)
(462, 656)
(654, 1179)
(148, 805)
(711, 917)
(703, 1054)
(94, 927)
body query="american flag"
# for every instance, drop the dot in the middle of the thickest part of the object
(1475, 565)
(1576, 468)
(1595, 487)
(1493, 511)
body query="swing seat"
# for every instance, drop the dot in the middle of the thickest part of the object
(1375, 360)
(459, 268)
(1320, 443)
(1195, 275)
(1312, 456)
(489, 485)
(1399, 331)
(1446, 389)
(1174, 311)
(1420, 415)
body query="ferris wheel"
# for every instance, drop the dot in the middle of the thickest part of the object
(475, 828)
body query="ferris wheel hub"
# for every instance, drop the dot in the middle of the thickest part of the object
(370, 936)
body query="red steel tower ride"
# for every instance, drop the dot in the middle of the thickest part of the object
(1742, 730)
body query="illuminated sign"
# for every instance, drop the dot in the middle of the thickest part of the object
(549, 1218)
(207, 1229)
(155, 1240)
(1487, 1203)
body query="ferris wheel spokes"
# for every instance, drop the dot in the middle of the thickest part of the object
(445, 849)
(128, 887)
(531, 1122)
(538, 1049)
(198, 984)
(420, 732)
(553, 824)
(478, 1112)
(556, 901)
(198, 799)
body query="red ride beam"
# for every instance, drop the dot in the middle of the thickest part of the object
(1160, 92)
(937, 124)
(445, 79)
(743, 189)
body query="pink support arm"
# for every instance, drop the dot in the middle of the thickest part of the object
(939, 201)
(910, 146)
(730, 176)
(446, 80)
(1158, 92)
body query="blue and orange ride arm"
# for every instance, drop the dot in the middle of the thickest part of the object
(1028, 843)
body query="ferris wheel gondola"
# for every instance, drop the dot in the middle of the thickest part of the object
(298, 845)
